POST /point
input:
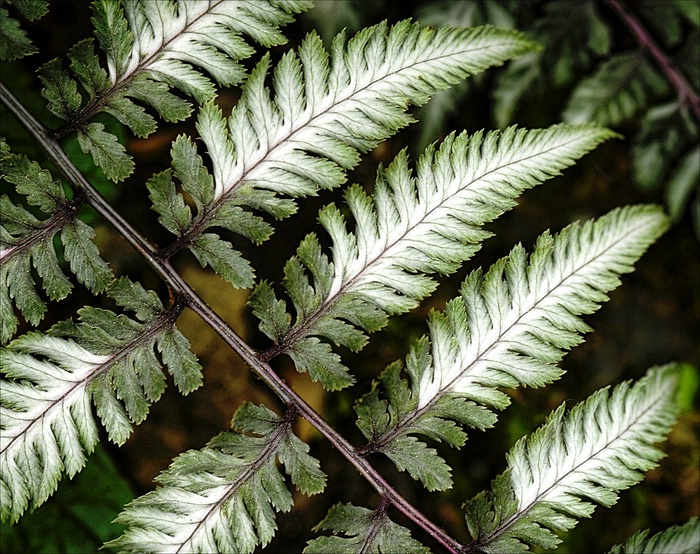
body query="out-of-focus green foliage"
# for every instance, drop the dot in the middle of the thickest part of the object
(77, 518)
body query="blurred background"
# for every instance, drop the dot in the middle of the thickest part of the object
(652, 319)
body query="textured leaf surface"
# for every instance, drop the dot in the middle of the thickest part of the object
(151, 47)
(326, 108)
(620, 88)
(356, 529)
(574, 460)
(412, 227)
(27, 243)
(508, 328)
(50, 381)
(574, 34)
(223, 498)
(14, 42)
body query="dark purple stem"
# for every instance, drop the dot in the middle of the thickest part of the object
(182, 291)
(686, 95)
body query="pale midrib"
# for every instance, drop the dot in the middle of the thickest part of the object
(248, 171)
(46, 229)
(95, 105)
(346, 287)
(95, 373)
(650, 406)
(251, 469)
(143, 64)
(487, 349)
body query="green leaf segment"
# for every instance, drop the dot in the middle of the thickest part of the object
(27, 242)
(150, 48)
(295, 131)
(223, 497)
(356, 529)
(326, 108)
(679, 539)
(50, 380)
(575, 459)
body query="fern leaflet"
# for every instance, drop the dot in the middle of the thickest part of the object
(619, 89)
(151, 47)
(326, 108)
(411, 227)
(356, 529)
(508, 328)
(14, 42)
(679, 539)
(26, 242)
(222, 498)
(47, 424)
(600, 447)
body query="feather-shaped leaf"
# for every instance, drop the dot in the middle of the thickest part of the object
(328, 106)
(414, 226)
(356, 529)
(574, 34)
(47, 426)
(508, 328)
(576, 459)
(620, 88)
(223, 498)
(151, 47)
(679, 539)
(666, 134)
(26, 242)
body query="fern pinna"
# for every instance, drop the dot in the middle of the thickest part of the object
(305, 118)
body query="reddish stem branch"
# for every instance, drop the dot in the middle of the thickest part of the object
(686, 95)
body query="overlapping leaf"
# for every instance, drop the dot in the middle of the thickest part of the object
(223, 498)
(508, 328)
(27, 242)
(356, 529)
(50, 381)
(150, 47)
(574, 34)
(411, 227)
(326, 108)
(576, 459)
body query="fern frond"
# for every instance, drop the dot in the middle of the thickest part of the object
(49, 381)
(326, 108)
(508, 328)
(356, 529)
(26, 242)
(620, 88)
(410, 228)
(151, 47)
(14, 43)
(223, 497)
(555, 475)
(679, 539)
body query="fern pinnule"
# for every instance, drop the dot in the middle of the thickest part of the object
(223, 498)
(49, 382)
(576, 459)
